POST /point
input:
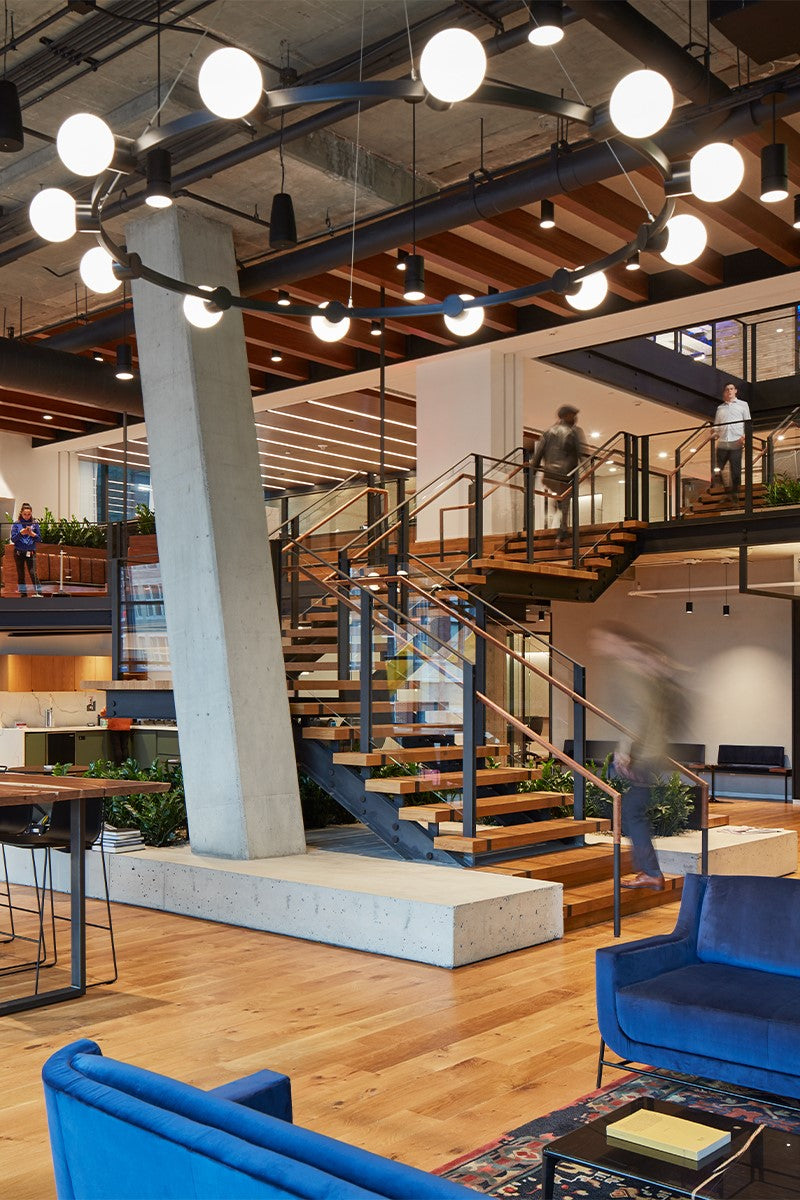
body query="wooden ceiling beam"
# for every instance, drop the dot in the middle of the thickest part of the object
(29, 428)
(754, 222)
(290, 366)
(559, 248)
(286, 334)
(619, 216)
(22, 412)
(755, 142)
(332, 287)
(80, 412)
(459, 254)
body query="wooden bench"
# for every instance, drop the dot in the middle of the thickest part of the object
(749, 760)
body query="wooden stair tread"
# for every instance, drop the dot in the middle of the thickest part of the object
(343, 733)
(534, 568)
(351, 685)
(609, 548)
(422, 754)
(489, 806)
(622, 535)
(345, 708)
(583, 864)
(445, 781)
(508, 836)
(593, 561)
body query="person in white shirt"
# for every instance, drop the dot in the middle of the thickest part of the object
(729, 428)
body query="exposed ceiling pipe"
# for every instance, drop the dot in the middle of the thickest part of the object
(632, 31)
(42, 371)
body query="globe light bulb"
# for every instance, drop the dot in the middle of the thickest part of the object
(641, 104)
(452, 65)
(467, 322)
(591, 291)
(329, 331)
(230, 83)
(198, 313)
(52, 214)
(686, 241)
(716, 172)
(85, 144)
(96, 270)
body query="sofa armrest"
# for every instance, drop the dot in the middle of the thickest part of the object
(265, 1091)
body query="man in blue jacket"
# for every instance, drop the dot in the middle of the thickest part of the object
(26, 536)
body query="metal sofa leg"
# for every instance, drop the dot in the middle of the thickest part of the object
(600, 1063)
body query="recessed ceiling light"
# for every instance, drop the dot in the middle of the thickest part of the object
(779, 329)
(46, 417)
(662, 454)
(595, 433)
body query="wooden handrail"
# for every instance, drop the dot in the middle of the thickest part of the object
(367, 491)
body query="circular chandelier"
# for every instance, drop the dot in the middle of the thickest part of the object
(452, 70)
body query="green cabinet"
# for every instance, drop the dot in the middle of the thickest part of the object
(36, 749)
(90, 746)
(150, 744)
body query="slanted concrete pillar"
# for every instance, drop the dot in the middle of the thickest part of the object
(468, 403)
(222, 620)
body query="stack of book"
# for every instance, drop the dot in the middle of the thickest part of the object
(119, 841)
(672, 1139)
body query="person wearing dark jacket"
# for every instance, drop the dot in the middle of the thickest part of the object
(26, 537)
(558, 452)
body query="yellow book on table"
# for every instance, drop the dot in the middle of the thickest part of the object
(674, 1138)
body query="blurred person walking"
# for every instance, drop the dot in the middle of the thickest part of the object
(558, 453)
(729, 429)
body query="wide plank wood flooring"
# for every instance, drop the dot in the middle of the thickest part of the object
(412, 1061)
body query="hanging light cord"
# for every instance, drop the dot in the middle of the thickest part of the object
(280, 151)
(414, 177)
(408, 33)
(358, 148)
(158, 62)
(161, 103)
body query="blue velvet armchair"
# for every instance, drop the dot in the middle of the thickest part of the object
(121, 1133)
(718, 997)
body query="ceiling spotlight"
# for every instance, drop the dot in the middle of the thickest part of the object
(590, 292)
(402, 259)
(632, 263)
(641, 104)
(97, 356)
(414, 286)
(689, 607)
(774, 172)
(124, 361)
(283, 299)
(687, 240)
(97, 271)
(375, 328)
(663, 454)
(726, 610)
(716, 171)
(327, 330)
(52, 214)
(85, 144)
(547, 22)
(467, 322)
(547, 215)
(282, 225)
(12, 137)
(158, 193)
(452, 65)
(46, 417)
(796, 221)
(197, 311)
(275, 356)
(230, 83)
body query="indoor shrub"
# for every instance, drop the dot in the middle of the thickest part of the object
(782, 489)
(160, 817)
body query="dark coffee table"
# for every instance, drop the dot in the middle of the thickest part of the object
(769, 1167)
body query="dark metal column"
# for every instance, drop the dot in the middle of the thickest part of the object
(795, 691)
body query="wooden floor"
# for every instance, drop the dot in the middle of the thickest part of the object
(412, 1061)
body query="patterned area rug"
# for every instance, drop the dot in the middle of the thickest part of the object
(510, 1166)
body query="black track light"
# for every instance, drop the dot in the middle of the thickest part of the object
(283, 299)
(796, 221)
(547, 22)
(275, 356)
(414, 288)
(402, 259)
(547, 215)
(774, 172)
(689, 607)
(375, 328)
(124, 361)
(632, 263)
(726, 610)
(11, 135)
(282, 226)
(158, 193)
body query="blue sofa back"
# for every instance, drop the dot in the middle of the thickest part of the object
(749, 921)
(121, 1133)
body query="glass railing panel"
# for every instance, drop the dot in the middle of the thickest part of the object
(144, 647)
(730, 343)
(776, 347)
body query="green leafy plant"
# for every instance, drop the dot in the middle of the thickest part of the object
(782, 489)
(145, 519)
(161, 817)
(70, 531)
(319, 809)
(669, 812)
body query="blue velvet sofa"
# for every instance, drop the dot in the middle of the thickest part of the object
(718, 997)
(121, 1133)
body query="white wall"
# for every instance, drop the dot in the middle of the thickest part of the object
(739, 667)
(27, 474)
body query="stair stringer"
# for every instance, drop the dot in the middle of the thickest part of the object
(378, 812)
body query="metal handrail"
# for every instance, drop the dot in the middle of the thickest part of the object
(367, 491)
(343, 483)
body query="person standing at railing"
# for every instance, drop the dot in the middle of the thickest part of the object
(26, 536)
(651, 704)
(558, 453)
(729, 429)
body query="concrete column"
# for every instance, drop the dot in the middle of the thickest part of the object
(222, 620)
(468, 403)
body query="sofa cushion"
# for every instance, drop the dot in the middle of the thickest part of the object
(751, 756)
(749, 921)
(717, 1011)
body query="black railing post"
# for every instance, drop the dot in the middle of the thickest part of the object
(634, 457)
(276, 555)
(373, 516)
(645, 505)
(365, 673)
(402, 532)
(675, 498)
(294, 582)
(391, 567)
(530, 506)
(115, 600)
(748, 467)
(579, 740)
(478, 509)
(480, 670)
(576, 528)
(469, 786)
(343, 619)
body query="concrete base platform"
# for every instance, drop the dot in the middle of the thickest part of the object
(732, 850)
(439, 915)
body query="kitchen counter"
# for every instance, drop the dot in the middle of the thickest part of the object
(35, 745)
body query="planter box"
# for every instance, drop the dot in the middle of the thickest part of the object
(84, 569)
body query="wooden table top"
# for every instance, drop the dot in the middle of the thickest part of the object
(21, 788)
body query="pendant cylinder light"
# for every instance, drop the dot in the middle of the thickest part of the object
(414, 287)
(12, 137)
(124, 368)
(547, 22)
(158, 193)
(282, 225)
(774, 172)
(547, 215)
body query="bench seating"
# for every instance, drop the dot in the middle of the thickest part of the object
(718, 997)
(750, 760)
(118, 1132)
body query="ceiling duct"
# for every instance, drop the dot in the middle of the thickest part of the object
(764, 31)
(42, 371)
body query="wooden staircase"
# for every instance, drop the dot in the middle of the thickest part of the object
(716, 500)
